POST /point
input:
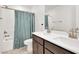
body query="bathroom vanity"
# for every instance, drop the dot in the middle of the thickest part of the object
(46, 44)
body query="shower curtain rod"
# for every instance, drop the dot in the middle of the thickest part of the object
(15, 9)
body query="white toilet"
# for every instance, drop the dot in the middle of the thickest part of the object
(28, 43)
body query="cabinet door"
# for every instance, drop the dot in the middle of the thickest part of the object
(35, 47)
(40, 49)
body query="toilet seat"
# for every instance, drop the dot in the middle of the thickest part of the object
(28, 41)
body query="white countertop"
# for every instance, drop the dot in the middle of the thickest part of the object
(61, 39)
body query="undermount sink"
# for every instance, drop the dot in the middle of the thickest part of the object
(65, 38)
(62, 37)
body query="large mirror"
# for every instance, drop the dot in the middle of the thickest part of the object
(62, 17)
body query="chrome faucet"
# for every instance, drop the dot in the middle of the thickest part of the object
(73, 33)
(48, 30)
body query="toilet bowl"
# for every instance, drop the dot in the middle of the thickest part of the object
(28, 43)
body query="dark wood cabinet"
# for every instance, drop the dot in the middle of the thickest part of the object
(56, 49)
(42, 46)
(40, 49)
(37, 45)
(48, 52)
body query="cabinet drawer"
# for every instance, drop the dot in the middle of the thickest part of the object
(38, 39)
(47, 52)
(55, 49)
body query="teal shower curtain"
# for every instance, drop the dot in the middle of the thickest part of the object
(24, 26)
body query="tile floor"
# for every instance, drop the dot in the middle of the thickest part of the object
(22, 50)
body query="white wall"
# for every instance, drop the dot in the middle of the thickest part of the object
(77, 16)
(63, 13)
(77, 19)
(1, 30)
(39, 17)
(6, 24)
(8, 17)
